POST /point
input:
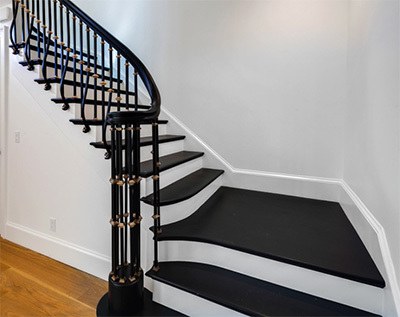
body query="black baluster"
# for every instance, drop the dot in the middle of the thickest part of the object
(103, 82)
(81, 62)
(136, 199)
(13, 27)
(23, 21)
(75, 90)
(135, 82)
(28, 51)
(156, 193)
(126, 85)
(114, 204)
(67, 57)
(62, 43)
(55, 38)
(95, 75)
(47, 41)
(118, 82)
(86, 127)
(38, 40)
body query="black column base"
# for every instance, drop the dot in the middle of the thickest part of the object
(149, 308)
(125, 296)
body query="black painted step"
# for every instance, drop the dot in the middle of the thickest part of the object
(186, 187)
(99, 122)
(78, 84)
(169, 161)
(144, 141)
(36, 61)
(305, 232)
(121, 104)
(245, 294)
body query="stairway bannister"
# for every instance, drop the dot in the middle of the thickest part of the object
(96, 52)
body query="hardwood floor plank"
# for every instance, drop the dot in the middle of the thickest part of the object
(35, 285)
(62, 277)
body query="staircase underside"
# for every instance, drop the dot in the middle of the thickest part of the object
(304, 232)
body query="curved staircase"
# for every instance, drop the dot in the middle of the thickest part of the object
(221, 251)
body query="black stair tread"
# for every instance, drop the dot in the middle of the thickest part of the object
(68, 82)
(98, 122)
(168, 161)
(245, 294)
(186, 187)
(305, 232)
(121, 104)
(144, 141)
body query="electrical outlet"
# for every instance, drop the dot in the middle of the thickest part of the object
(53, 224)
(17, 137)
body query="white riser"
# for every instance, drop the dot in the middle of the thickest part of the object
(174, 213)
(187, 303)
(334, 288)
(184, 209)
(173, 174)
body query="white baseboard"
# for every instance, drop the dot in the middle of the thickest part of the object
(76, 256)
(373, 235)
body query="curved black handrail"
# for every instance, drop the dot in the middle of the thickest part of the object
(141, 69)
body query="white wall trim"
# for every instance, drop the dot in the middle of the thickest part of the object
(372, 235)
(4, 71)
(81, 258)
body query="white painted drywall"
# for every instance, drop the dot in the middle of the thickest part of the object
(372, 143)
(262, 82)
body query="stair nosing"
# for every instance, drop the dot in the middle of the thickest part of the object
(218, 173)
(168, 138)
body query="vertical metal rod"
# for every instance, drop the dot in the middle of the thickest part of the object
(81, 62)
(126, 84)
(28, 51)
(62, 43)
(156, 193)
(95, 76)
(38, 40)
(136, 196)
(118, 82)
(55, 38)
(75, 55)
(13, 27)
(23, 21)
(135, 82)
(43, 26)
(120, 194)
(47, 41)
(114, 204)
(103, 83)
(67, 58)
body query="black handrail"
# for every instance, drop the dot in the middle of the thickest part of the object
(141, 69)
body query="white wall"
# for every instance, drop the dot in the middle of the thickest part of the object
(372, 147)
(253, 79)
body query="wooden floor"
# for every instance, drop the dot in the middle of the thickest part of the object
(35, 285)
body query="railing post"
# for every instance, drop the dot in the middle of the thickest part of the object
(125, 283)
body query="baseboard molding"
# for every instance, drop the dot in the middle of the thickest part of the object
(76, 256)
(373, 235)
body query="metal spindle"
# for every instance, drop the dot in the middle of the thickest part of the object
(135, 82)
(38, 39)
(75, 56)
(23, 21)
(30, 10)
(156, 193)
(118, 82)
(120, 194)
(126, 84)
(81, 62)
(55, 39)
(103, 82)
(136, 197)
(95, 75)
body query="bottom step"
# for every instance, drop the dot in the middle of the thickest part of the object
(245, 294)
(150, 308)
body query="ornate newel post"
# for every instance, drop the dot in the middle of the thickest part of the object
(125, 291)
